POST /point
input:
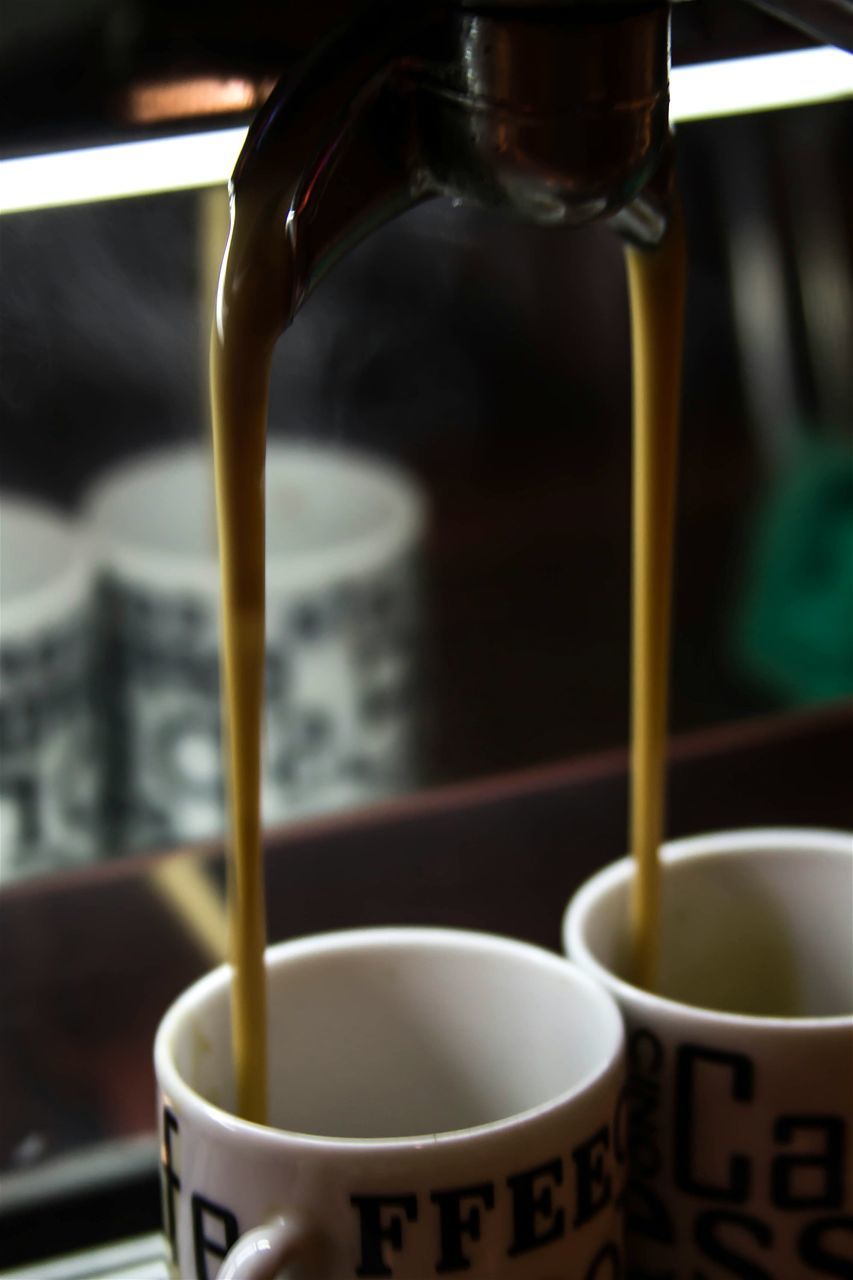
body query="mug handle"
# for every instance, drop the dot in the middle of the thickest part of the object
(261, 1253)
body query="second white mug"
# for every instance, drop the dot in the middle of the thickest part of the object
(343, 638)
(740, 1063)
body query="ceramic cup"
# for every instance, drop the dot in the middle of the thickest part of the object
(343, 638)
(48, 776)
(740, 1069)
(441, 1102)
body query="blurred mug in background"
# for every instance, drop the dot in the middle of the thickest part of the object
(343, 628)
(48, 774)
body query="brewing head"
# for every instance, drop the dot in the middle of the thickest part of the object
(556, 112)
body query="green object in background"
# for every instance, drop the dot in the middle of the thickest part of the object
(794, 625)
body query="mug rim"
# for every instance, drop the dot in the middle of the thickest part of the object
(64, 591)
(192, 1105)
(133, 561)
(753, 840)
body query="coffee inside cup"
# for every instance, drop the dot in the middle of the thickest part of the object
(748, 928)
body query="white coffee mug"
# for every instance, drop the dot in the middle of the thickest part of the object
(343, 637)
(48, 776)
(441, 1102)
(740, 1066)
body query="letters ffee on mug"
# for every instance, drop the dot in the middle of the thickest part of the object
(740, 1127)
(504, 1062)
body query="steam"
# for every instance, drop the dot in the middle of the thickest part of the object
(100, 336)
(378, 354)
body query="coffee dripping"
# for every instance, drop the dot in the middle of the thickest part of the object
(555, 114)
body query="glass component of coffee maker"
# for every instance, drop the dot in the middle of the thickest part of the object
(555, 113)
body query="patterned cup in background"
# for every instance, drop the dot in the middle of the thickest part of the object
(343, 638)
(48, 780)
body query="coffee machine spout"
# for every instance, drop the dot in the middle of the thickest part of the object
(556, 115)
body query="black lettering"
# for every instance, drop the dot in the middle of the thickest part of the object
(645, 1053)
(608, 1254)
(593, 1183)
(620, 1127)
(530, 1202)
(813, 1250)
(645, 1062)
(640, 1273)
(373, 1233)
(643, 1151)
(452, 1225)
(645, 1098)
(171, 1181)
(706, 1228)
(736, 1189)
(790, 1184)
(645, 1213)
(620, 1146)
(203, 1244)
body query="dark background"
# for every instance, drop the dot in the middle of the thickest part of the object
(493, 360)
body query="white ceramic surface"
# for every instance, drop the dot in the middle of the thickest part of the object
(45, 568)
(740, 1092)
(331, 513)
(343, 637)
(443, 1101)
(48, 778)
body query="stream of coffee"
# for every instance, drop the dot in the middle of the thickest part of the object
(250, 314)
(656, 288)
(253, 307)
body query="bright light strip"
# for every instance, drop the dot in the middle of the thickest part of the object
(698, 92)
(739, 85)
(126, 169)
